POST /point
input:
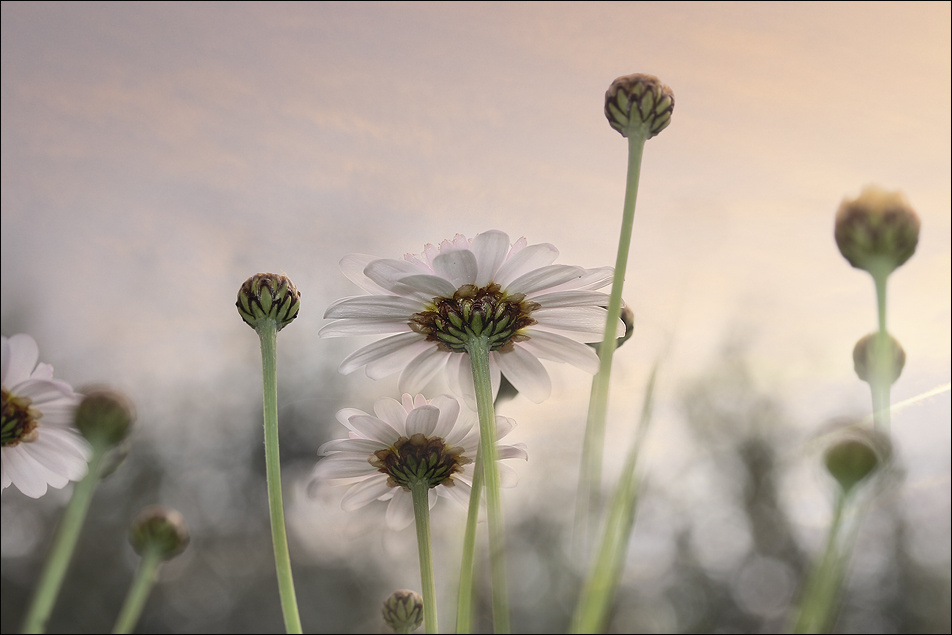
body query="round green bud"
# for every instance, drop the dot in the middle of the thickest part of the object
(868, 356)
(104, 417)
(403, 611)
(161, 529)
(268, 296)
(878, 231)
(850, 461)
(639, 103)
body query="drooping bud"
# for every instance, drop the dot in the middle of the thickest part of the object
(403, 611)
(639, 102)
(878, 231)
(855, 456)
(104, 417)
(867, 357)
(160, 529)
(268, 296)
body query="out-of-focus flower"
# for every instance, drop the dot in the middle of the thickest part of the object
(410, 440)
(867, 352)
(40, 445)
(877, 231)
(526, 307)
(160, 529)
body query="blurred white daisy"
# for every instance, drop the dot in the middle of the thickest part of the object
(528, 308)
(410, 440)
(40, 445)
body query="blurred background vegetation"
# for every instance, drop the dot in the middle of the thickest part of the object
(731, 563)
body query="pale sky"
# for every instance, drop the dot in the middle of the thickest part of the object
(156, 155)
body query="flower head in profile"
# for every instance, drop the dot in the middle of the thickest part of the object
(434, 304)
(405, 441)
(40, 445)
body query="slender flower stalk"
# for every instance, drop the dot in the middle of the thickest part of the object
(464, 608)
(268, 302)
(639, 107)
(478, 350)
(878, 232)
(598, 590)
(157, 534)
(104, 419)
(853, 462)
(419, 489)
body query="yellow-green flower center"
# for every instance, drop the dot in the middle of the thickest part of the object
(476, 312)
(20, 421)
(419, 458)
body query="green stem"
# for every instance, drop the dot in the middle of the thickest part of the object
(478, 349)
(421, 513)
(822, 588)
(267, 332)
(139, 591)
(590, 475)
(464, 610)
(64, 543)
(881, 383)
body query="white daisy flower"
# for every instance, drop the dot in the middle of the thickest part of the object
(527, 307)
(40, 445)
(415, 439)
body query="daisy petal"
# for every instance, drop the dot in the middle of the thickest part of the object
(343, 465)
(580, 297)
(490, 249)
(363, 446)
(368, 307)
(377, 350)
(344, 328)
(393, 412)
(400, 510)
(546, 345)
(422, 420)
(375, 429)
(422, 368)
(364, 492)
(526, 373)
(353, 267)
(524, 261)
(544, 278)
(459, 267)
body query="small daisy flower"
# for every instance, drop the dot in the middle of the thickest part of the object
(410, 440)
(40, 445)
(434, 303)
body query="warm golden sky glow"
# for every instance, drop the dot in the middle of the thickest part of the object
(155, 155)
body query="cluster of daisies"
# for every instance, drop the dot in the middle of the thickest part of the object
(428, 307)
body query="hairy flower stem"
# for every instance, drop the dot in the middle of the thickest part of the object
(267, 332)
(881, 384)
(478, 350)
(421, 514)
(64, 543)
(588, 503)
(139, 591)
(464, 609)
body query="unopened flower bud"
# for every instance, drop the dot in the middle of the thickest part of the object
(403, 611)
(855, 455)
(867, 357)
(639, 103)
(104, 417)
(268, 296)
(160, 529)
(878, 231)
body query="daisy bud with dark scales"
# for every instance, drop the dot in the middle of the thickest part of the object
(268, 296)
(639, 103)
(403, 611)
